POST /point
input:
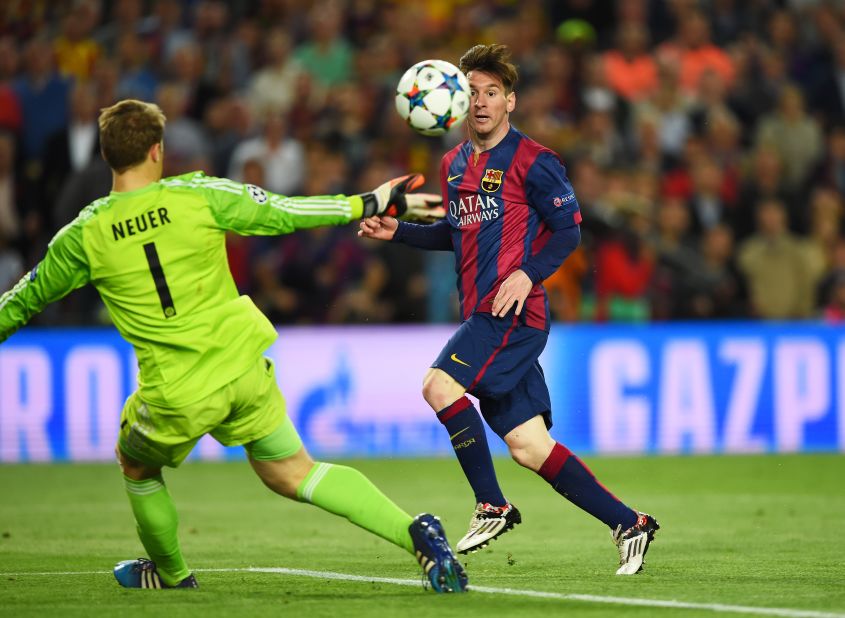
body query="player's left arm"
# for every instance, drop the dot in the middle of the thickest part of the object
(551, 194)
(63, 269)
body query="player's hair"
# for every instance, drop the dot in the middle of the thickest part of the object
(493, 59)
(128, 129)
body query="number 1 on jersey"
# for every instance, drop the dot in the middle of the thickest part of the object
(160, 280)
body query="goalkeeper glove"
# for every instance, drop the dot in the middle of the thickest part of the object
(389, 198)
(425, 207)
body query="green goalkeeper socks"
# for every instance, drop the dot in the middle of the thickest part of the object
(156, 518)
(346, 492)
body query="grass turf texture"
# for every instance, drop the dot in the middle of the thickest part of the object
(763, 531)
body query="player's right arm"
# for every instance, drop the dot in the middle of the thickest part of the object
(63, 269)
(434, 237)
(251, 210)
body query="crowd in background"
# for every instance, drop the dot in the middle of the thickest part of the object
(705, 141)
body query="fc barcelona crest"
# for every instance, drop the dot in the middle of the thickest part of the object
(492, 180)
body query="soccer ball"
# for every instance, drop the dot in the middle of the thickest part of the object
(433, 97)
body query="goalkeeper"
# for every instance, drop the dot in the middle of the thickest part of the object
(155, 250)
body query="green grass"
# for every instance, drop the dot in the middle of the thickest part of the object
(763, 531)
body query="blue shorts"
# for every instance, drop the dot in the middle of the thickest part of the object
(495, 359)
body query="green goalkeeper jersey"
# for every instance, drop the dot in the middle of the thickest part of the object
(157, 257)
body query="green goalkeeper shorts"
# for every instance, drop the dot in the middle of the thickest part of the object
(247, 409)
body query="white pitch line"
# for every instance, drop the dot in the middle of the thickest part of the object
(537, 594)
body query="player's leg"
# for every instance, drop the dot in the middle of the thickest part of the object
(156, 523)
(531, 446)
(145, 444)
(259, 422)
(286, 468)
(466, 433)
(490, 355)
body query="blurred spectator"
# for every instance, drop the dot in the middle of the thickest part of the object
(10, 226)
(126, 17)
(794, 135)
(645, 142)
(43, 96)
(631, 70)
(834, 308)
(11, 264)
(538, 116)
(831, 172)
(184, 138)
(186, 68)
(709, 98)
(365, 302)
(695, 52)
(283, 157)
(564, 287)
(729, 19)
(828, 93)
(227, 121)
(211, 33)
(349, 122)
(624, 266)
(782, 34)
(778, 267)
(105, 80)
(136, 80)
(80, 189)
(677, 264)
(72, 148)
(760, 76)
(598, 139)
(764, 180)
(830, 289)
(300, 278)
(669, 107)
(400, 288)
(558, 70)
(273, 87)
(168, 33)
(597, 93)
(10, 107)
(76, 51)
(306, 109)
(824, 221)
(722, 134)
(707, 202)
(327, 55)
(599, 215)
(720, 291)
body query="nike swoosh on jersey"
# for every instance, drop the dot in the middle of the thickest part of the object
(455, 358)
(455, 435)
(451, 178)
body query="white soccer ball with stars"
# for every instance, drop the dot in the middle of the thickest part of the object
(433, 97)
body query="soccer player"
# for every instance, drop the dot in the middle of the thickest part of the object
(512, 220)
(154, 249)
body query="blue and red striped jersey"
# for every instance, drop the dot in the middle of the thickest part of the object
(503, 206)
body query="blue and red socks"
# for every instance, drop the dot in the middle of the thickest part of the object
(466, 432)
(573, 480)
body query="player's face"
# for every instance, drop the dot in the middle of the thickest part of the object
(489, 104)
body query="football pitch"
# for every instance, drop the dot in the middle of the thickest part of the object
(754, 535)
